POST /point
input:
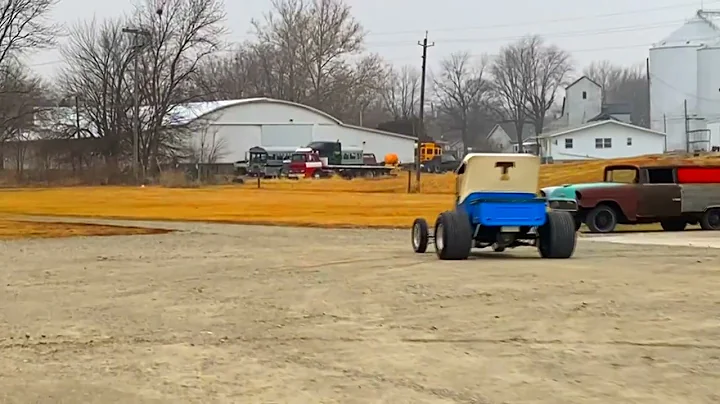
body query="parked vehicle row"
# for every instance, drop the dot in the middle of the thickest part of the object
(316, 160)
(674, 196)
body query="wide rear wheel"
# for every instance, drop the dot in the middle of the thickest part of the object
(453, 235)
(557, 237)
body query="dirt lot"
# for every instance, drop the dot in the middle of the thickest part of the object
(231, 314)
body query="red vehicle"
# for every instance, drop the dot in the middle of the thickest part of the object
(309, 162)
(305, 162)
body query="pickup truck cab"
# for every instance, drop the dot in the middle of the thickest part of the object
(673, 196)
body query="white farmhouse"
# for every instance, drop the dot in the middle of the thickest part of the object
(503, 138)
(684, 76)
(600, 140)
(266, 122)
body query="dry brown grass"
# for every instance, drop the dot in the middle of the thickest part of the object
(19, 229)
(325, 203)
(227, 204)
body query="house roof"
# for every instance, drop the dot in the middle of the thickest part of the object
(603, 116)
(617, 108)
(580, 78)
(509, 128)
(598, 123)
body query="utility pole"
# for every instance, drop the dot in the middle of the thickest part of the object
(77, 116)
(425, 45)
(137, 45)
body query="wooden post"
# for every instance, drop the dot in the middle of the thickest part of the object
(258, 182)
(409, 187)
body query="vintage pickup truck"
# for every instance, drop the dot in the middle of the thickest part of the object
(674, 196)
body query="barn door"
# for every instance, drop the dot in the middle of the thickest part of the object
(286, 135)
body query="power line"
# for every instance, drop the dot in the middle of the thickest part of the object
(579, 50)
(548, 21)
(560, 34)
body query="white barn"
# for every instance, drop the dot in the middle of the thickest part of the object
(242, 124)
(606, 139)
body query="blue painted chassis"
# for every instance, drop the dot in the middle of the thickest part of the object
(516, 209)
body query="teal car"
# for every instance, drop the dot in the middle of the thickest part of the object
(574, 192)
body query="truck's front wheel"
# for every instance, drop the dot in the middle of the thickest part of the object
(602, 219)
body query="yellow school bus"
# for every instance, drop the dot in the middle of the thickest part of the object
(429, 150)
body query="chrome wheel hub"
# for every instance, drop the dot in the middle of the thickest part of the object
(439, 241)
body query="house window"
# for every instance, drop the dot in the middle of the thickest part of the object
(603, 143)
(584, 95)
(629, 141)
(568, 143)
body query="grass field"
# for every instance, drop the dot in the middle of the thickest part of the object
(323, 203)
(227, 204)
(16, 229)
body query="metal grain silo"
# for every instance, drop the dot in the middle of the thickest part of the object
(674, 70)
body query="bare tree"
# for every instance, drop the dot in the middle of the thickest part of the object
(236, 76)
(463, 94)
(623, 84)
(401, 92)
(180, 39)
(24, 27)
(21, 96)
(527, 75)
(307, 51)
(97, 71)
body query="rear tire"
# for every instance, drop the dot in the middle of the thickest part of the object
(453, 235)
(673, 224)
(602, 219)
(557, 237)
(420, 232)
(710, 219)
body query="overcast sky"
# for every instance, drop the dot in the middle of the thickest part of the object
(618, 30)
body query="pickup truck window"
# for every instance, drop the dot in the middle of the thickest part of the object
(622, 175)
(660, 176)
